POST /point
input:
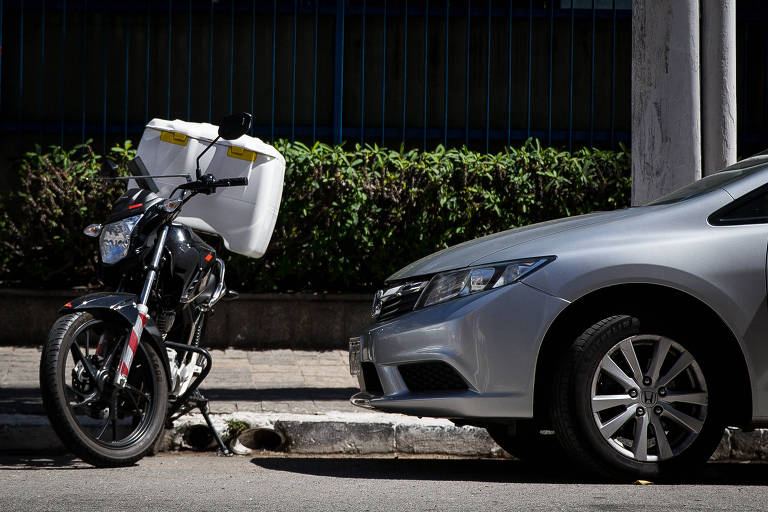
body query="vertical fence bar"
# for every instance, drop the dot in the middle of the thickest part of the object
(231, 53)
(509, 75)
(613, 73)
(338, 97)
(765, 87)
(314, 77)
(1, 55)
(253, 59)
(592, 84)
(445, 80)
(189, 61)
(210, 65)
(745, 73)
(147, 45)
(83, 60)
(384, 76)
(466, 79)
(488, 84)
(42, 71)
(104, 90)
(20, 106)
(530, 67)
(426, 69)
(125, 83)
(551, 49)
(362, 77)
(170, 45)
(274, 51)
(61, 63)
(570, 95)
(293, 73)
(405, 65)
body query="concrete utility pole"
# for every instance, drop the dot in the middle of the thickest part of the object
(718, 84)
(683, 89)
(666, 128)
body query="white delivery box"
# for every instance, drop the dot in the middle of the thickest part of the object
(243, 216)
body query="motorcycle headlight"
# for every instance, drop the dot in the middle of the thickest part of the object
(115, 239)
(460, 283)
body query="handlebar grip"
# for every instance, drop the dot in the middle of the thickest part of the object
(232, 182)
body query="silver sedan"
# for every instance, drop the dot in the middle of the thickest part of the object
(628, 339)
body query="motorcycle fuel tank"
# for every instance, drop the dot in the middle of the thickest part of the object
(191, 262)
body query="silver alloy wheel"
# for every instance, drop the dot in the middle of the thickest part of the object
(649, 398)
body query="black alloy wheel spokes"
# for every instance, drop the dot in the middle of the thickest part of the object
(108, 415)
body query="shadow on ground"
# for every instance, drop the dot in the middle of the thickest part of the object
(37, 462)
(494, 470)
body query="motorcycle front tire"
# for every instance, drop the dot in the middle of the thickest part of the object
(66, 339)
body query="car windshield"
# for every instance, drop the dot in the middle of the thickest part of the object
(735, 172)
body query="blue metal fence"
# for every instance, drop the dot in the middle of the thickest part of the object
(483, 73)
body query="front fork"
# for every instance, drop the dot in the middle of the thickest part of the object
(124, 367)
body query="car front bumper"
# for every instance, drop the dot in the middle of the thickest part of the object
(490, 341)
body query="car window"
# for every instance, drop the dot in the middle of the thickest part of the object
(748, 210)
(705, 185)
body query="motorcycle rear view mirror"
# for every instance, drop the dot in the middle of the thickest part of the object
(231, 127)
(109, 168)
(235, 126)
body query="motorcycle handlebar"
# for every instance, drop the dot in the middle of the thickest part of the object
(208, 184)
(231, 182)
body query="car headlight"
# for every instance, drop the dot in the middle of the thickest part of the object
(460, 283)
(115, 239)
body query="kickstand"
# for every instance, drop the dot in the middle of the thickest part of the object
(199, 401)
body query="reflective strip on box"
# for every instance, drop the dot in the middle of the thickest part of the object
(241, 153)
(174, 138)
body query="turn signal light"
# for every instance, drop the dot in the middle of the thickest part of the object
(94, 230)
(171, 205)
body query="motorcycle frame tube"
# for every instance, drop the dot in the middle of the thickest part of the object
(149, 282)
(121, 307)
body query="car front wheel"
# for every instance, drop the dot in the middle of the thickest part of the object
(634, 403)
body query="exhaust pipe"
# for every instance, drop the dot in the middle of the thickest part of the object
(257, 439)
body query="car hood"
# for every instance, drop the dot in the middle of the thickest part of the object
(465, 254)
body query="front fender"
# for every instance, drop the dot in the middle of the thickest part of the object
(122, 307)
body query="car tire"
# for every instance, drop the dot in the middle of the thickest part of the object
(634, 403)
(525, 440)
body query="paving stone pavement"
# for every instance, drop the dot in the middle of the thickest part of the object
(303, 393)
(273, 381)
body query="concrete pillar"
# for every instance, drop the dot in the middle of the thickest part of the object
(718, 84)
(666, 100)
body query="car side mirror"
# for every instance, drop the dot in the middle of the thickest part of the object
(109, 168)
(235, 126)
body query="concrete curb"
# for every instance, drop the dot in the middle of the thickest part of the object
(344, 433)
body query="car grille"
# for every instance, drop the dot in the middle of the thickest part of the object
(432, 376)
(371, 379)
(397, 301)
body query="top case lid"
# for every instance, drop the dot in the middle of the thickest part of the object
(208, 132)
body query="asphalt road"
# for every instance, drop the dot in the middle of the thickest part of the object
(267, 482)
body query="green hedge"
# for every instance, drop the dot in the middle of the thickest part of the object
(349, 217)
(42, 221)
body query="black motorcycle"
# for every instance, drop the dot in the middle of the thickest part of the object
(110, 376)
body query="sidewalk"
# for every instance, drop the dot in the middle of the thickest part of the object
(301, 395)
(304, 395)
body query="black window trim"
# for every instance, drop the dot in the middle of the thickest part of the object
(716, 218)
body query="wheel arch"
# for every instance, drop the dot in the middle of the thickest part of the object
(654, 305)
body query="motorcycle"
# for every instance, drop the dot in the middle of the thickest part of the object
(110, 376)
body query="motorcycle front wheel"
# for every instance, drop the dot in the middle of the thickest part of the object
(106, 426)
